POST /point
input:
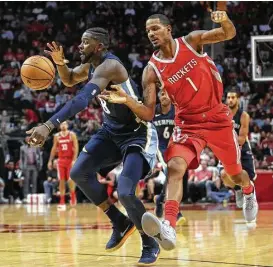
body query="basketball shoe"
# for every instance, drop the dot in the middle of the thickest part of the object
(150, 254)
(250, 206)
(119, 236)
(161, 231)
(239, 198)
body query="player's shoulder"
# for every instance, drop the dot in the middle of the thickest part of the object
(244, 116)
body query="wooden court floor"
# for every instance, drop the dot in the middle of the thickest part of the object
(214, 237)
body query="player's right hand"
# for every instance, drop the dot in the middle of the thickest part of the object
(57, 54)
(38, 135)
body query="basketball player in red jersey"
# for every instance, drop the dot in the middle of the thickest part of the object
(66, 145)
(195, 87)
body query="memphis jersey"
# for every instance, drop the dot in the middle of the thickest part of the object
(191, 79)
(118, 118)
(164, 124)
(65, 146)
(246, 148)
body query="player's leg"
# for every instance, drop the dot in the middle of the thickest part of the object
(61, 177)
(134, 168)
(179, 157)
(72, 186)
(160, 199)
(225, 146)
(98, 153)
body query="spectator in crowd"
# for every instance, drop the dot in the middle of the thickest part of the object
(30, 164)
(197, 182)
(2, 187)
(14, 183)
(51, 184)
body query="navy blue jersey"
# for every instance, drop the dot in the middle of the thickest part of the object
(164, 124)
(118, 118)
(246, 148)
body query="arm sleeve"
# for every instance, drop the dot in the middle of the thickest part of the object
(75, 105)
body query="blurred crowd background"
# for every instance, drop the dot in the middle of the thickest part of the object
(26, 27)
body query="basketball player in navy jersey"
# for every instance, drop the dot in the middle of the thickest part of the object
(164, 124)
(123, 137)
(241, 126)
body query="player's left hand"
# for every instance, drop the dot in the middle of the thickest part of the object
(38, 135)
(219, 16)
(116, 95)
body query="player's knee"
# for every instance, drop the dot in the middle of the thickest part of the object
(76, 174)
(237, 178)
(126, 192)
(176, 168)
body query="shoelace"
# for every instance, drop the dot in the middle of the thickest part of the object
(249, 203)
(167, 228)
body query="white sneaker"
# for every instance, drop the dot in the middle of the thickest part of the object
(239, 198)
(161, 231)
(250, 207)
(61, 207)
(18, 201)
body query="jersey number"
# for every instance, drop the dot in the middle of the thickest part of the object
(166, 133)
(64, 147)
(104, 106)
(215, 73)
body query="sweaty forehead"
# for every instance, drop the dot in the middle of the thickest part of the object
(232, 95)
(153, 22)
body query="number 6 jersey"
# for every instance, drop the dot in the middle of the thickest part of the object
(191, 80)
(164, 124)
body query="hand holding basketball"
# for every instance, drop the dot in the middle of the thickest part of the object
(219, 16)
(57, 53)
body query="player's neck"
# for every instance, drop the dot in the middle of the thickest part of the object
(97, 60)
(168, 51)
(165, 109)
(64, 133)
(234, 110)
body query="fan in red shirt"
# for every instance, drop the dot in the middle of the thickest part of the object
(66, 145)
(194, 85)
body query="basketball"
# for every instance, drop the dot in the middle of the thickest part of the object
(37, 72)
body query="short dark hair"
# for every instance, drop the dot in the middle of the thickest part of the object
(235, 91)
(163, 19)
(99, 34)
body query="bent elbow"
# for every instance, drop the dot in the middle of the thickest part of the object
(231, 34)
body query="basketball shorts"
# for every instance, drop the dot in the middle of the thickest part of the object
(109, 150)
(63, 168)
(189, 143)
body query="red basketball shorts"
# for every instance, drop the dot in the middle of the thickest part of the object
(189, 143)
(63, 168)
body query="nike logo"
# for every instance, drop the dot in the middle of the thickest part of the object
(123, 233)
(58, 121)
(163, 69)
(156, 115)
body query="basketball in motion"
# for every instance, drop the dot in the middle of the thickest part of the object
(37, 72)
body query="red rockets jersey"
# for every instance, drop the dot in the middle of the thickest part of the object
(191, 80)
(65, 146)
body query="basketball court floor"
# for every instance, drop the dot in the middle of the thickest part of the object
(215, 236)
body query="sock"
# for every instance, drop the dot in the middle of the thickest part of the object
(171, 211)
(62, 200)
(117, 218)
(73, 196)
(146, 240)
(247, 190)
(237, 187)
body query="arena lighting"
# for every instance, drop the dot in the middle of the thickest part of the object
(255, 67)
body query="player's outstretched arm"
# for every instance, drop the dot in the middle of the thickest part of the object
(144, 111)
(68, 76)
(226, 32)
(103, 74)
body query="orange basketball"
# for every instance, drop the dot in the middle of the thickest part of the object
(37, 72)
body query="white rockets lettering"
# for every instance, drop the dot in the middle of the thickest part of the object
(183, 71)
